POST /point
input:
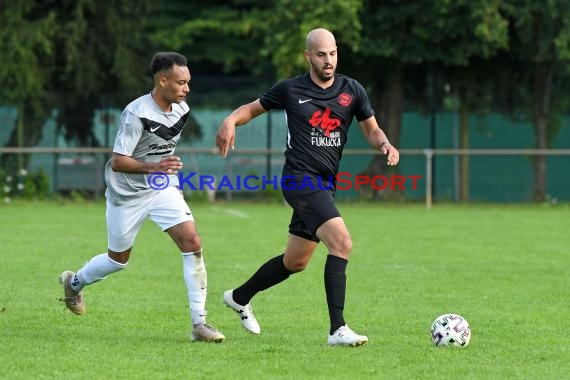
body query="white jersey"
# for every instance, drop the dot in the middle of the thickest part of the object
(147, 134)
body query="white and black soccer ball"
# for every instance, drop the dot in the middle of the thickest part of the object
(450, 330)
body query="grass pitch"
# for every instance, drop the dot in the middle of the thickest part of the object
(504, 268)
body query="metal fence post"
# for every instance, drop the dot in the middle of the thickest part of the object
(429, 155)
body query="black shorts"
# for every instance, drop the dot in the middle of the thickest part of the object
(312, 206)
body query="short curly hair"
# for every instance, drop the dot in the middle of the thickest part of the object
(165, 60)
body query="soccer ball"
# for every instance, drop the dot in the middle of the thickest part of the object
(450, 330)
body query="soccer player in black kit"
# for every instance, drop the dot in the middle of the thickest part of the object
(319, 108)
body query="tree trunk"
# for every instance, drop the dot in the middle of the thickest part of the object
(389, 106)
(76, 116)
(463, 144)
(541, 92)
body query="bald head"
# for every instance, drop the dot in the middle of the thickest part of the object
(319, 37)
(321, 55)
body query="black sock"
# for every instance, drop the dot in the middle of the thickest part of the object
(271, 273)
(335, 287)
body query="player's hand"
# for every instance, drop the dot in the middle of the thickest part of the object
(225, 138)
(393, 154)
(170, 165)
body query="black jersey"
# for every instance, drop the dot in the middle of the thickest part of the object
(317, 120)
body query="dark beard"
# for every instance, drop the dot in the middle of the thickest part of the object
(324, 78)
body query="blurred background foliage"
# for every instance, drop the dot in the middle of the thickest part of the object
(74, 57)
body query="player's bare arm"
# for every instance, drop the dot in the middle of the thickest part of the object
(127, 164)
(378, 139)
(225, 137)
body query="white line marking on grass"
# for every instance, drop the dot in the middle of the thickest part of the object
(232, 212)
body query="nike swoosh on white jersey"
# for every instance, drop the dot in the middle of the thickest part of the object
(304, 101)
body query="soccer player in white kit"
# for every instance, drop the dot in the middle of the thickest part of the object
(149, 129)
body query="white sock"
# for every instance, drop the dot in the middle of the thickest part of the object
(196, 281)
(95, 270)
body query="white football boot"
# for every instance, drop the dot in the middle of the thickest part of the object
(245, 312)
(344, 336)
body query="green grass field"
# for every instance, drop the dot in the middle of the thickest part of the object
(504, 268)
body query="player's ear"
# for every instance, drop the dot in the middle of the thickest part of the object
(162, 80)
(306, 54)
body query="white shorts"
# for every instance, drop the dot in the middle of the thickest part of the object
(168, 208)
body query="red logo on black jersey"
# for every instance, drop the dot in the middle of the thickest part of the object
(324, 120)
(344, 99)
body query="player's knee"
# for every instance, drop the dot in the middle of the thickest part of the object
(342, 246)
(296, 265)
(120, 257)
(190, 244)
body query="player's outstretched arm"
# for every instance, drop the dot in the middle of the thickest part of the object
(225, 138)
(378, 139)
(127, 164)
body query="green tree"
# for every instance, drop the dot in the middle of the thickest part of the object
(26, 43)
(540, 57)
(290, 20)
(420, 40)
(101, 54)
(221, 33)
(248, 34)
(68, 56)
